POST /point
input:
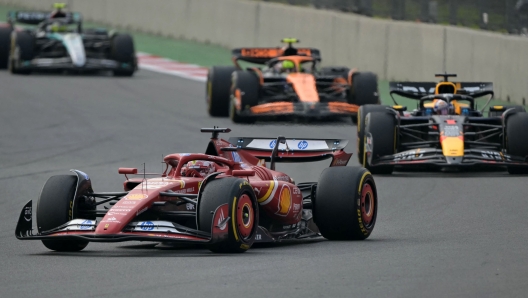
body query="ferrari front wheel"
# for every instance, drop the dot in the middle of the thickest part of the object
(241, 219)
(55, 208)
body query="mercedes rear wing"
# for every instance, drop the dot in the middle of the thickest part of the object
(37, 17)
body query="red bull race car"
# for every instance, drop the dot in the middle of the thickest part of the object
(289, 85)
(226, 199)
(446, 130)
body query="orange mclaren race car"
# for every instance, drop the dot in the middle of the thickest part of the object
(290, 83)
(446, 130)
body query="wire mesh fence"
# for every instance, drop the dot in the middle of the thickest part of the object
(497, 15)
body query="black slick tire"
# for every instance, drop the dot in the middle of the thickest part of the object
(243, 213)
(346, 203)
(123, 51)
(381, 126)
(362, 113)
(517, 140)
(245, 88)
(218, 90)
(364, 89)
(24, 51)
(5, 43)
(54, 208)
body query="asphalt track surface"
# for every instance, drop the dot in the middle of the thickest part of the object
(437, 235)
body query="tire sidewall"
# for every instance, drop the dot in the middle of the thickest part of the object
(337, 207)
(228, 191)
(362, 113)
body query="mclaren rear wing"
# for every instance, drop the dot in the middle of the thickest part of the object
(37, 17)
(282, 149)
(263, 55)
(417, 90)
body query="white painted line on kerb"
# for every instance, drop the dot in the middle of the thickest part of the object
(171, 67)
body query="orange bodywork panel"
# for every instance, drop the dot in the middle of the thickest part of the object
(340, 107)
(276, 107)
(304, 86)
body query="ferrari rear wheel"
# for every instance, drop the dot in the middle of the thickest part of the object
(516, 139)
(243, 213)
(346, 203)
(55, 208)
(381, 127)
(362, 113)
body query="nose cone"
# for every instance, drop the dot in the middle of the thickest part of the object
(75, 46)
(454, 160)
(304, 85)
(453, 146)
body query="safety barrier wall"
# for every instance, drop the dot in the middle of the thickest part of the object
(392, 49)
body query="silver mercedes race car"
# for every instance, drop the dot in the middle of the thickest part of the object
(46, 42)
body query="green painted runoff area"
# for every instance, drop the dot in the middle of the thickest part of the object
(207, 55)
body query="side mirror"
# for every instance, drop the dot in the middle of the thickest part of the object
(128, 171)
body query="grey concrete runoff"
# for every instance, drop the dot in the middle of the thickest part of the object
(437, 235)
(395, 50)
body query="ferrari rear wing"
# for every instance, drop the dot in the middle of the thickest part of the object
(263, 55)
(417, 90)
(284, 149)
(37, 17)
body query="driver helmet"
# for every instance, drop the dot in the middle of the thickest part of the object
(198, 168)
(288, 66)
(58, 12)
(441, 107)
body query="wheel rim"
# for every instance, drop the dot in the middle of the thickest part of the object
(245, 216)
(368, 205)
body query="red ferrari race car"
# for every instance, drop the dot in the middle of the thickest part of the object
(290, 84)
(225, 199)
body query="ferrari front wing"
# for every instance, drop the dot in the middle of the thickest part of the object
(156, 231)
